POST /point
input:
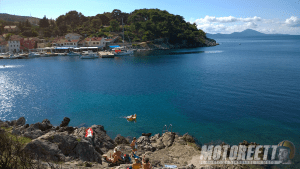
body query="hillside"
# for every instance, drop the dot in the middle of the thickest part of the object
(16, 18)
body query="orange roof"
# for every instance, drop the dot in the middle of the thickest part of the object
(3, 43)
(15, 38)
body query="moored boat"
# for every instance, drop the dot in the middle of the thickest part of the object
(88, 55)
(131, 117)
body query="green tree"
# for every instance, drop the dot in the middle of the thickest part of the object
(114, 25)
(44, 23)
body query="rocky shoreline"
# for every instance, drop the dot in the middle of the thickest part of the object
(68, 147)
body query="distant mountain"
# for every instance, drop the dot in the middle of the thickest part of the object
(17, 18)
(245, 33)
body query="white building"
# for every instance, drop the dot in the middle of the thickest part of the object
(95, 42)
(14, 43)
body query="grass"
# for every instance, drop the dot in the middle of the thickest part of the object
(21, 139)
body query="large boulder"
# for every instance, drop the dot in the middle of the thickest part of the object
(121, 140)
(33, 131)
(168, 138)
(101, 139)
(45, 150)
(45, 125)
(144, 143)
(65, 122)
(21, 121)
(85, 151)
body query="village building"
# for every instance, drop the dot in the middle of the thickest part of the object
(71, 43)
(95, 42)
(28, 43)
(9, 29)
(14, 43)
(3, 46)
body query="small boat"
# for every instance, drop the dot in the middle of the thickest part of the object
(131, 117)
(33, 55)
(106, 54)
(88, 55)
(123, 52)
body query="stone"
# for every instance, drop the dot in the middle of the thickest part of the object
(158, 144)
(44, 150)
(144, 143)
(32, 133)
(65, 122)
(188, 138)
(154, 138)
(45, 125)
(146, 134)
(21, 121)
(168, 139)
(120, 140)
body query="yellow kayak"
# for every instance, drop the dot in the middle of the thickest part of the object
(131, 118)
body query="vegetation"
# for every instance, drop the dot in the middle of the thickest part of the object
(140, 25)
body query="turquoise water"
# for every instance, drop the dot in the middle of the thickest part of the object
(228, 93)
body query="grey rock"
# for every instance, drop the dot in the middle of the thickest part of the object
(120, 140)
(158, 144)
(44, 150)
(65, 122)
(21, 121)
(32, 133)
(144, 143)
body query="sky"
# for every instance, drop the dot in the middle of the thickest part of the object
(212, 16)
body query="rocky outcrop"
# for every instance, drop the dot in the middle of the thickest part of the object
(21, 121)
(121, 140)
(65, 122)
(144, 143)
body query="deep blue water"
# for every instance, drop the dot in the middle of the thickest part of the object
(228, 93)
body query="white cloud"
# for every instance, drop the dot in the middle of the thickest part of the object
(230, 24)
(228, 19)
(293, 21)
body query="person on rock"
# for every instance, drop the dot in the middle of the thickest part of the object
(136, 164)
(133, 145)
(146, 164)
(115, 157)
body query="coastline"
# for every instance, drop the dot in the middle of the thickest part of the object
(67, 146)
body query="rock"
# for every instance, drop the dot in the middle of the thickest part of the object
(45, 125)
(188, 138)
(144, 143)
(66, 143)
(146, 134)
(12, 123)
(86, 152)
(26, 125)
(86, 164)
(181, 141)
(4, 124)
(65, 122)
(68, 129)
(168, 138)
(120, 140)
(32, 133)
(101, 139)
(158, 144)
(21, 121)
(154, 138)
(44, 150)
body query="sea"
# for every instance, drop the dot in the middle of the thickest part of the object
(243, 89)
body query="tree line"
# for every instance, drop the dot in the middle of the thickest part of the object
(139, 25)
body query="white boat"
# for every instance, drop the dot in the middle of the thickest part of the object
(72, 54)
(106, 54)
(43, 54)
(124, 52)
(88, 55)
(33, 55)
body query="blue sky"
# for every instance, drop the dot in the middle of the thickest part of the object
(212, 16)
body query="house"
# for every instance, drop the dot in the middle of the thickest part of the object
(14, 43)
(28, 43)
(3, 46)
(12, 28)
(110, 40)
(73, 36)
(71, 43)
(59, 41)
(95, 41)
